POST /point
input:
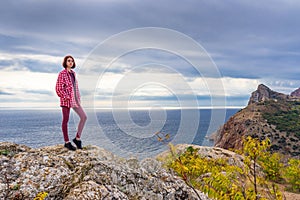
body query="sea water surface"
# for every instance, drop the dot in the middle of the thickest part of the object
(138, 133)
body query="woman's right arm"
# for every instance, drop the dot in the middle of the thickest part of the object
(60, 87)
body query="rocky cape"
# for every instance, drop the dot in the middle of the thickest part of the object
(252, 121)
(91, 173)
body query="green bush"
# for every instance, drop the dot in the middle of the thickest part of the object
(220, 180)
(213, 176)
(272, 166)
(256, 179)
(292, 175)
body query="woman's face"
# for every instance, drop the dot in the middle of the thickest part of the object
(70, 62)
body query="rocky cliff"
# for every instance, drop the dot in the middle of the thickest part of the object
(91, 173)
(269, 114)
(263, 93)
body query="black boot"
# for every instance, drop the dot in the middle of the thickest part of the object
(78, 143)
(70, 146)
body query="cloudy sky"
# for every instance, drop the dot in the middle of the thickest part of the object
(248, 42)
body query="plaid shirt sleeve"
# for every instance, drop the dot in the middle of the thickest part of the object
(60, 87)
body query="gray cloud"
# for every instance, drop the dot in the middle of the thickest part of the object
(246, 39)
(241, 33)
(34, 65)
(5, 93)
(43, 92)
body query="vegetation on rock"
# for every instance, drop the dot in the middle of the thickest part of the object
(256, 178)
(287, 119)
(41, 196)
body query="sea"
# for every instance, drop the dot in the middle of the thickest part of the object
(126, 133)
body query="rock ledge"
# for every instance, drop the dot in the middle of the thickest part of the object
(91, 173)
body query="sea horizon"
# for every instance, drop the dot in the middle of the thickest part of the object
(121, 132)
(129, 108)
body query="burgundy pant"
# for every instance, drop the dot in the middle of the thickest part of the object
(66, 113)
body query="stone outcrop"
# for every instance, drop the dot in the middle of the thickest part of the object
(207, 152)
(296, 93)
(264, 93)
(91, 173)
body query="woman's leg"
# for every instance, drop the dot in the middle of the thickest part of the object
(64, 124)
(80, 112)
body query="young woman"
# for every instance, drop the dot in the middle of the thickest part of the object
(67, 90)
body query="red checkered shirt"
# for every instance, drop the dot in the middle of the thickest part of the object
(65, 89)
